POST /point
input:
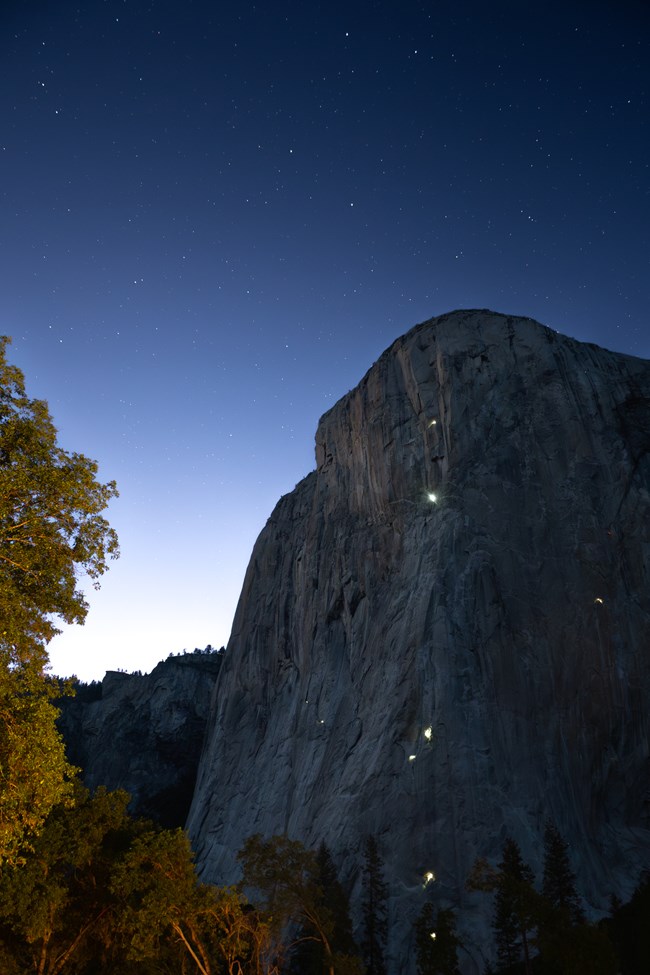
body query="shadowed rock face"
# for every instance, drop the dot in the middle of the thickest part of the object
(500, 635)
(144, 733)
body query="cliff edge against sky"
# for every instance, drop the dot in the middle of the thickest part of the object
(444, 631)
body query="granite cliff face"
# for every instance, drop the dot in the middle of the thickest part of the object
(144, 733)
(444, 631)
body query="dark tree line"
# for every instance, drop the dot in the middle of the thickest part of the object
(100, 891)
(545, 932)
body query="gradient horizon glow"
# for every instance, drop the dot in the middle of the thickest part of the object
(214, 218)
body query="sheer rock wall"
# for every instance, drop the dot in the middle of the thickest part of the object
(144, 733)
(444, 673)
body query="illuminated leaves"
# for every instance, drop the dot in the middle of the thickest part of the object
(51, 526)
(34, 774)
(51, 532)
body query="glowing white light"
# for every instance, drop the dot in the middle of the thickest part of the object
(433, 423)
(429, 877)
(411, 758)
(433, 935)
(432, 497)
(428, 732)
(322, 720)
(598, 600)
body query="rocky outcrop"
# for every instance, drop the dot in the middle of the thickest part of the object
(144, 733)
(444, 632)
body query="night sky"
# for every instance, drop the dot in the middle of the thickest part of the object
(215, 217)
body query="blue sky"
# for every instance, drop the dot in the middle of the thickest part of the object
(214, 218)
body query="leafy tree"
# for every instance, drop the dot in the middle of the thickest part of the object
(34, 774)
(244, 941)
(309, 954)
(436, 943)
(54, 906)
(165, 911)
(51, 525)
(374, 909)
(157, 886)
(51, 530)
(103, 892)
(286, 874)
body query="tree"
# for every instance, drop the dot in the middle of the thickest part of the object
(565, 942)
(244, 940)
(51, 525)
(51, 531)
(515, 908)
(286, 874)
(34, 774)
(559, 882)
(156, 885)
(308, 956)
(54, 906)
(516, 904)
(374, 908)
(167, 912)
(436, 943)
(103, 892)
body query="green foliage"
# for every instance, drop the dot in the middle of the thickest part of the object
(165, 911)
(53, 907)
(436, 943)
(103, 892)
(374, 909)
(337, 904)
(157, 887)
(51, 526)
(287, 876)
(309, 956)
(283, 872)
(51, 531)
(34, 774)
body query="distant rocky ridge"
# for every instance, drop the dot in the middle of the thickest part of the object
(444, 631)
(144, 733)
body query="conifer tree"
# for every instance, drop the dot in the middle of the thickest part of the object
(336, 902)
(375, 909)
(515, 908)
(558, 883)
(436, 943)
